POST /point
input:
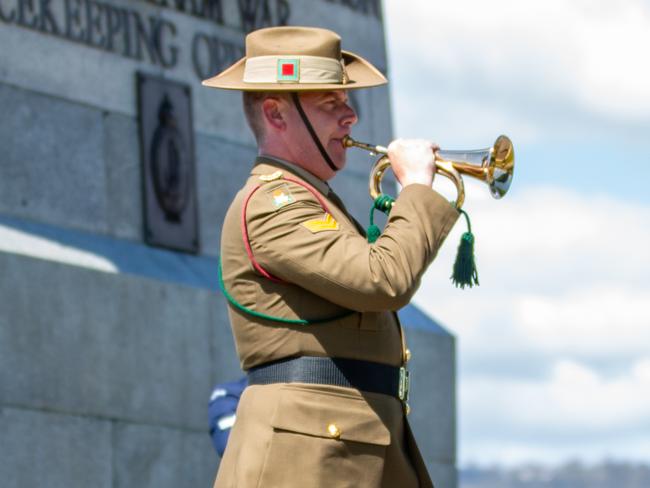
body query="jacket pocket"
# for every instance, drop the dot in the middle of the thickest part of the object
(326, 439)
(312, 412)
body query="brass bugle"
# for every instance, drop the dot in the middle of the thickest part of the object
(493, 165)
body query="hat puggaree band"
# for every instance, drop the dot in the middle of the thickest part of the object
(302, 69)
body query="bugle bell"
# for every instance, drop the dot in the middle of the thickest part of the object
(494, 166)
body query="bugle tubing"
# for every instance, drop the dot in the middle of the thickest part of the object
(493, 165)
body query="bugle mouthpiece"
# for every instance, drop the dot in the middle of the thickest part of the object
(371, 148)
(347, 142)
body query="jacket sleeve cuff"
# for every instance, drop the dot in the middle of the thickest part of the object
(436, 215)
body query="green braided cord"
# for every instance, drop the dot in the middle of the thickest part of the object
(469, 224)
(383, 203)
(465, 273)
(264, 316)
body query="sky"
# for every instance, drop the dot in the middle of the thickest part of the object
(553, 348)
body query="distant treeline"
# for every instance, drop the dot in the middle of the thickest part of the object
(608, 474)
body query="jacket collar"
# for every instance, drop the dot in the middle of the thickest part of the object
(267, 164)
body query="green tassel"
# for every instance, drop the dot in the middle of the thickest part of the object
(465, 273)
(383, 203)
(373, 233)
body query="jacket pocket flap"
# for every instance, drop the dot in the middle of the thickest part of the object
(315, 412)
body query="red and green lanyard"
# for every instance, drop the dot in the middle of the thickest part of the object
(265, 273)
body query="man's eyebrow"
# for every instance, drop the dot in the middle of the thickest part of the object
(329, 96)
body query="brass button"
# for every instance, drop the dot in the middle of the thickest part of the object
(407, 355)
(333, 431)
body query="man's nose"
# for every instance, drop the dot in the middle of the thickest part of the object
(350, 117)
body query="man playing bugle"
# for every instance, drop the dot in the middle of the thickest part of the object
(313, 303)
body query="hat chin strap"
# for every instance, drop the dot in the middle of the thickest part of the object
(312, 132)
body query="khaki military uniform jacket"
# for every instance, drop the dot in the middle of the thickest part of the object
(283, 436)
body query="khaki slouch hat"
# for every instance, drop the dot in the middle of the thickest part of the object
(296, 59)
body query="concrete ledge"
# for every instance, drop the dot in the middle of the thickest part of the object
(154, 457)
(114, 346)
(52, 171)
(43, 449)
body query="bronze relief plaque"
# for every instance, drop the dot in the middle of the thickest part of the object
(167, 154)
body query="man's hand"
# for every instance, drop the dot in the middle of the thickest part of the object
(412, 161)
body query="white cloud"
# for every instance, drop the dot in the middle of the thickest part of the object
(598, 322)
(575, 410)
(553, 346)
(549, 250)
(529, 68)
(555, 235)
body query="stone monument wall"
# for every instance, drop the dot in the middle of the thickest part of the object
(109, 346)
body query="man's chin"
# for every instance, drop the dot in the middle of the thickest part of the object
(338, 156)
(339, 163)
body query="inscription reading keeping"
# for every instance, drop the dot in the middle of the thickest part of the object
(129, 33)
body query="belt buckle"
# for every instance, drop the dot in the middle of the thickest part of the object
(404, 384)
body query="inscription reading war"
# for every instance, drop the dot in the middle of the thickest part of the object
(253, 14)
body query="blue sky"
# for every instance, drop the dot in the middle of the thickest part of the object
(554, 346)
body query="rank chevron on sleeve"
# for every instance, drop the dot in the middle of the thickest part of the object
(319, 225)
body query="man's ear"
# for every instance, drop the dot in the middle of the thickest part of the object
(274, 110)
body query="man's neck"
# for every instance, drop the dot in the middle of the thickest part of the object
(277, 148)
(285, 155)
(297, 156)
(286, 161)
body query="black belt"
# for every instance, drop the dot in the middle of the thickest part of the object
(350, 373)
